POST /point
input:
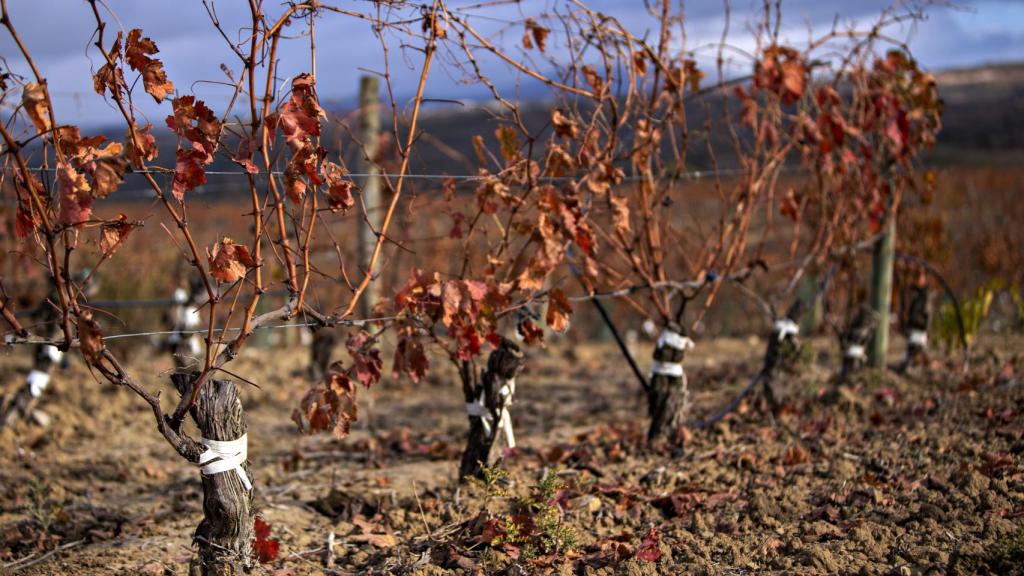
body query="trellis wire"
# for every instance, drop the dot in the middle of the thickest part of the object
(10, 337)
(689, 175)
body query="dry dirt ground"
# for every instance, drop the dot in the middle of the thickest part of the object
(922, 474)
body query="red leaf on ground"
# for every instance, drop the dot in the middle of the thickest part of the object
(265, 547)
(648, 550)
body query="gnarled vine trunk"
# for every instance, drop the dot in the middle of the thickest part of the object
(668, 398)
(325, 340)
(22, 402)
(915, 322)
(855, 339)
(225, 535)
(487, 402)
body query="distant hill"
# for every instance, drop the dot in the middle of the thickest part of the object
(984, 111)
(983, 123)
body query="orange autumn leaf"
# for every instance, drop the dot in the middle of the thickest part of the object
(229, 261)
(559, 310)
(35, 102)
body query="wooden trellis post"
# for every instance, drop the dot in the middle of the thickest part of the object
(369, 118)
(881, 289)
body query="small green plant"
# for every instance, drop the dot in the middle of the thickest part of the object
(40, 506)
(1018, 300)
(975, 309)
(533, 525)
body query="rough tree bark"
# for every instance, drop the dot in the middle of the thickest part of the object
(224, 537)
(668, 398)
(855, 339)
(915, 322)
(783, 346)
(487, 401)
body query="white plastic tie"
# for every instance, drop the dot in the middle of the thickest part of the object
(786, 327)
(53, 353)
(856, 351)
(649, 327)
(674, 340)
(479, 410)
(919, 338)
(180, 296)
(674, 369)
(224, 456)
(37, 382)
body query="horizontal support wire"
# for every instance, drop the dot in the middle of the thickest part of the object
(11, 338)
(689, 175)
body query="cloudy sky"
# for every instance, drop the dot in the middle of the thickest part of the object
(58, 33)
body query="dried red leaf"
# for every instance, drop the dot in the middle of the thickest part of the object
(559, 310)
(229, 261)
(264, 547)
(76, 197)
(90, 338)
(112, 234)
(648, 550)
(35, 102)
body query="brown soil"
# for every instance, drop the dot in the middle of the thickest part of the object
(921, 474)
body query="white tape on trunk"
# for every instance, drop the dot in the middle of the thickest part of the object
(479, 410)
(37, 382)
(674, 340)
(674, 369)
(786, 327)
(53, 353)
(856, 352)
(919, 338)
(224, 456)
(180, 295)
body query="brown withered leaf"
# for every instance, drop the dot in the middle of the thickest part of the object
(109, 76)
(559, 310)
(559, 161)
(90, 337)
(339, 186)
(620, 215)
(330, 405)
(76, 197)
(410, 358)
(229, 261)
(509, 142)
(640, 63)
(108, 170)
(113, 233)
(564, 126)
(299, 119)
(143, 147)
(136, 52)
(478, 148)
(432, 24)
(246, 148)
(188, 172)
(35, 102)
(796, 454)
(593, 79)
(536, 35)
(193, 120)
(371, 536)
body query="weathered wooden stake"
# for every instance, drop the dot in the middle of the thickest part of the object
(881, 290)
(369, 118)
(487, 399)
